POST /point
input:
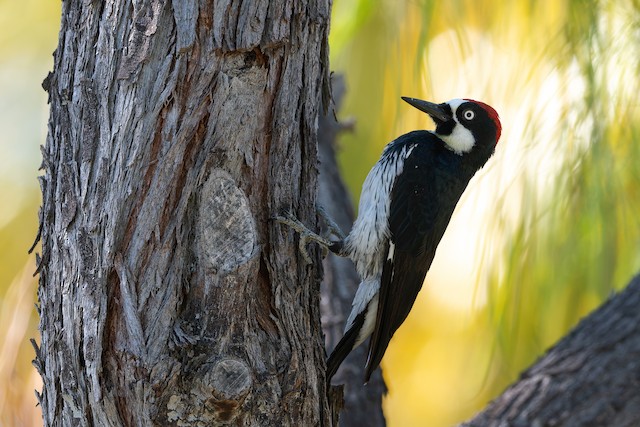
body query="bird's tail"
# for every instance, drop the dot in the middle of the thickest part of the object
(344, 347)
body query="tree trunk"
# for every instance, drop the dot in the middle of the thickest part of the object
(167, 296)
(590, 378)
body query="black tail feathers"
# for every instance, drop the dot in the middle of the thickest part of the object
(344, 347)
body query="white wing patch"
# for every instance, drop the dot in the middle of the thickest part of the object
(392, 248)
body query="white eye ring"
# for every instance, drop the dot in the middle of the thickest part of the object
(468, 115)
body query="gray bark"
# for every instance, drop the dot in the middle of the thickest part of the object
(590, 378)
(167, 296)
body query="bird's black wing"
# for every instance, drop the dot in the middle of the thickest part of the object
(418, 217)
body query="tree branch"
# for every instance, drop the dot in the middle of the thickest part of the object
(590, 378)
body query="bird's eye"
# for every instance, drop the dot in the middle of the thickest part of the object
(468, 114)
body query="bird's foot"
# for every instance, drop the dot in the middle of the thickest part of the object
(306, 236)
(331, 224)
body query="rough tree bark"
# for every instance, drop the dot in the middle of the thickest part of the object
(590, 378)
(166, 294)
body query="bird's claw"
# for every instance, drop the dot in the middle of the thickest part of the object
(333, 227)
(306, 236)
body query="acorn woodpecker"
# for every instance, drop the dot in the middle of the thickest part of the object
(405, 206)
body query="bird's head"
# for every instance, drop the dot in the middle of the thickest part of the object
(464, 125)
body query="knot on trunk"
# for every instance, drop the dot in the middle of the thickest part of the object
(226, 230)
(216, 394)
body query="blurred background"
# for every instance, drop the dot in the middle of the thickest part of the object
(28, 36)
(544, 234)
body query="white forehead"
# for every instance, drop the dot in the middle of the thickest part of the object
(455, 103)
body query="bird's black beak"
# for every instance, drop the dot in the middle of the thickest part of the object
(434, 110)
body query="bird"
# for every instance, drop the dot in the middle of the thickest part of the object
(406, 203)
